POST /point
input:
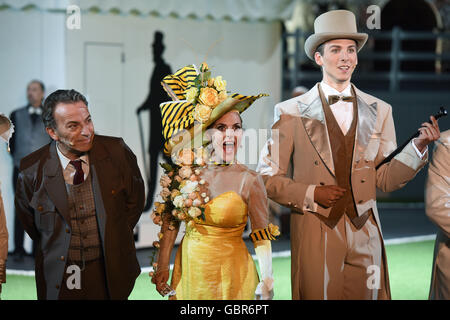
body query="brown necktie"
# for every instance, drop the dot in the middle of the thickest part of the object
(79, 174)
(332, 99)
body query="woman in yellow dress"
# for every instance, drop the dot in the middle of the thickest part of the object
(212, 261)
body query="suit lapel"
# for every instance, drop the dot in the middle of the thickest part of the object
(98, 159)
(313, 119)
(367, 117)
(54, 183)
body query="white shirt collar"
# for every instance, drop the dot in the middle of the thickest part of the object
(32, 110)
(65, 161)
(329, 90)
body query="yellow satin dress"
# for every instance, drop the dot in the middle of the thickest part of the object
(213, 262)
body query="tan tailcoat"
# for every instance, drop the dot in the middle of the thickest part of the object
(437, 197)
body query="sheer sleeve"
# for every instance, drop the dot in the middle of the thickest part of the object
(258, 210)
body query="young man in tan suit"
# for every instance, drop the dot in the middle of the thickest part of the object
(437, 198)
(334, 136)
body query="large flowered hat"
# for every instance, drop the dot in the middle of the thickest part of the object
(198, 100)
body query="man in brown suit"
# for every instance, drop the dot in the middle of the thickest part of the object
(80, 197)
(334, 136)
(437, 198)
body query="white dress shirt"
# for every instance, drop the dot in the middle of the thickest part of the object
(343, 113)
(68, 169)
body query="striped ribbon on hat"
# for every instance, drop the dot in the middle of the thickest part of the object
(177, 83)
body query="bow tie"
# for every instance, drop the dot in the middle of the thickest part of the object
(332, 99)
(33, 110)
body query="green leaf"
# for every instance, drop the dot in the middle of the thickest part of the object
(206, 76)
(202, 216)
(175, 184)
(167, 167)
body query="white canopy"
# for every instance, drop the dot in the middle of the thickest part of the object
(235, 10)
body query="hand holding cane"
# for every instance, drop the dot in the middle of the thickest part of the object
(442, 113)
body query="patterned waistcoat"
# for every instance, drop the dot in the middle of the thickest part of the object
(85, 243)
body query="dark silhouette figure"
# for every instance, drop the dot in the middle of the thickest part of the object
(155, 97)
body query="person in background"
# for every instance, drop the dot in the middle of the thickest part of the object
(437, 200)
(29, 136)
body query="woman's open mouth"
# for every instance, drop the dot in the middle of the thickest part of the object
(228, 146)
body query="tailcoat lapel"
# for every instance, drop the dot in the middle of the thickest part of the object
(313, 119)
(367, 117)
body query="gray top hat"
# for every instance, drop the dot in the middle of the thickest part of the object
(336, 24)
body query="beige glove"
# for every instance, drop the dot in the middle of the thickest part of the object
(263, 250)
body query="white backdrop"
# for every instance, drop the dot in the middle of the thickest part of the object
(32, 47)
(39, 46)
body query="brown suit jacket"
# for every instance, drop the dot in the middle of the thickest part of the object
(300, 141)
(437, 197)
(42, 206)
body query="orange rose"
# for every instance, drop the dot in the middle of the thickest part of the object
(209, 97)
(186, 156)
(222, 96)
(202, 113)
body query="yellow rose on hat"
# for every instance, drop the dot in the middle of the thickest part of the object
(202, 113)
(191, 94)
(222, 96)
(220, 84)
(209, 97)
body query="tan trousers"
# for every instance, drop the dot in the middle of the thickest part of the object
(338, 263)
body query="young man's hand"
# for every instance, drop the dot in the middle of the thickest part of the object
(428, 133)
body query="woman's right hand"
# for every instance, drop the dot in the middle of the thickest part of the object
(160, 278)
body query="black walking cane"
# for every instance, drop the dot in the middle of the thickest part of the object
(141, 132)
(442, 113)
